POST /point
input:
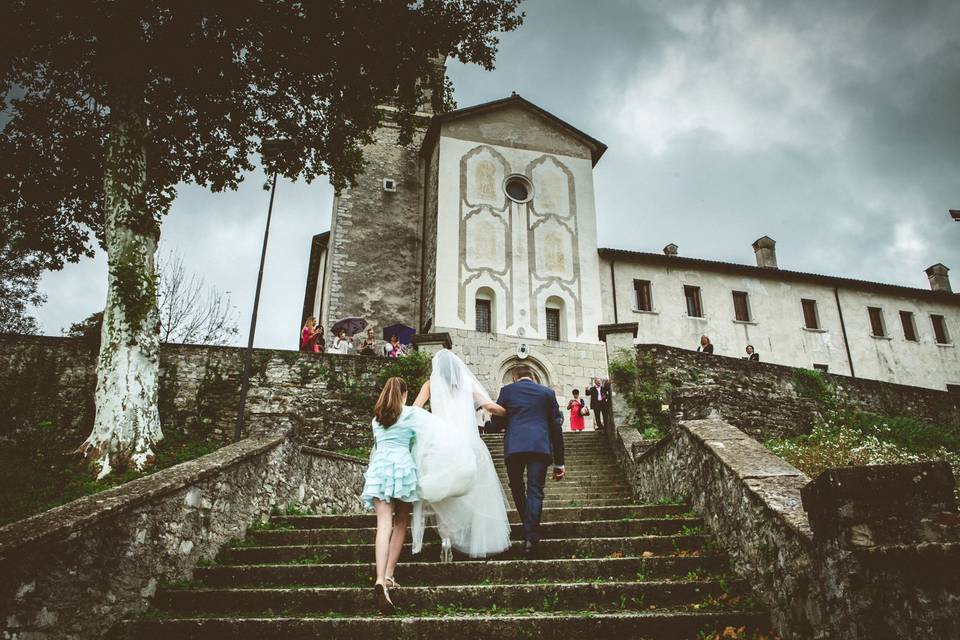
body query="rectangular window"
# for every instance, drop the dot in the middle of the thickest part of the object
(810, 318)
(876, 322)
(553, 324)
(940, 329)
(694, 305)
(741, 306)
(483, 316)
(909, 327)
(644, 300)
(953, 388)
(821, 367)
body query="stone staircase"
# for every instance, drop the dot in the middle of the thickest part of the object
(607, 568)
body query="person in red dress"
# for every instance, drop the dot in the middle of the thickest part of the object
(311, 337)
(575, 406)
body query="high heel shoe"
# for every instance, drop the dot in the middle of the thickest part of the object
(382, 598)
(446, 551)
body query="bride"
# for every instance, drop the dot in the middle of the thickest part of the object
(458, 482)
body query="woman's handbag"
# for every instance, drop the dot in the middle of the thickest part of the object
(584, 411)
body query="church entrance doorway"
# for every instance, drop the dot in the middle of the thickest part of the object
(508, 367)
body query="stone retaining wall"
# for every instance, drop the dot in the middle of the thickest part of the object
(750, 499)
(75, 570)
(52, 380)
(762, 399)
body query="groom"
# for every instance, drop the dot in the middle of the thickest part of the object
(533, 440)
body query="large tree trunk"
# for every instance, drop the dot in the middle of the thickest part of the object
(127, 422)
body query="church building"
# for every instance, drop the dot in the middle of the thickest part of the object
(485, 228)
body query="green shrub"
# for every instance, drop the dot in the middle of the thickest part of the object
(413, 368)
(634, 376)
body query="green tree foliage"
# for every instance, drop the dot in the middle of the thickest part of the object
(112, 104)
(20, 271)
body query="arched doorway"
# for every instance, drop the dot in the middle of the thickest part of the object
(539, 371)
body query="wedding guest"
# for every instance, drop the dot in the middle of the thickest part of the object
(390, 484)
(311, 338)
(705, 345)
(576, 407)
(598, 403)
(752, 354)
(369, 344)
(395, 349)
(342, 343)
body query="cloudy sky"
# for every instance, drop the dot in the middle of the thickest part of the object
(833, 127)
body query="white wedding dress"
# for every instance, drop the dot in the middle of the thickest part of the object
(458, 482)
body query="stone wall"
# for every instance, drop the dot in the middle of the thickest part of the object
(73, 571)
(375, 250)
(763, 400)
(751, 501)
(860, 553)
(45, 379)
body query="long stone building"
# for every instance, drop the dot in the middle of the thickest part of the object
(485, 227)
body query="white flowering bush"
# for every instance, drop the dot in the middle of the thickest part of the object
(848, 438)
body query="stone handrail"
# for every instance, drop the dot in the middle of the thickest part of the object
(69, 519)
(107, 553)
(751, 501)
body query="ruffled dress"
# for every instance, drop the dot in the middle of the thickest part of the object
(392, 474)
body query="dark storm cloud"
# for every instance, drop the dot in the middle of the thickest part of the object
(830, 126)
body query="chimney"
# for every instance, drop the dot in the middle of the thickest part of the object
(765, 249)
(939, 280)
(670, 250)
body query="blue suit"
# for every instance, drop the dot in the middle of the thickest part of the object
(533, 440)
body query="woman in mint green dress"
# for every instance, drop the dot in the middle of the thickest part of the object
(391, 482)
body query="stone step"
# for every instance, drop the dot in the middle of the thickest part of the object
(481, 572)
(632, 547)
(650, 625)
(600, 596)
(549, 502)
(585, 495)
(549, 515)
(595, 485)
(584, 529)
(584, 465)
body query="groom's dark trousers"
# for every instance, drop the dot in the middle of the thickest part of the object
(533, 439)
(528, 499)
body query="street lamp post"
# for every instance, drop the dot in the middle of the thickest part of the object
(269, 147)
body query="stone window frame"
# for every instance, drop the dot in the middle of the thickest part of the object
(814, 312)
(697, 301)
(747, 307)
(941, 334)
(483, 307)
(639, 284)
(877, 323)
(518, 177)
(908, 323)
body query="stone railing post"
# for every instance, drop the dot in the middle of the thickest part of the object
(430, 343)
(887, 549)
(618, 337)
(623, 437)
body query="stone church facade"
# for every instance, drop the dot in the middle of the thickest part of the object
(485, 227)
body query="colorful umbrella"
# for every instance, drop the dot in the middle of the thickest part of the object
(352, 326)
(402, 331)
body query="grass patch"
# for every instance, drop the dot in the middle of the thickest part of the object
(37, 475)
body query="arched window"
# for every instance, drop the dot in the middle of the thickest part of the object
(554, 318)
(485, 310)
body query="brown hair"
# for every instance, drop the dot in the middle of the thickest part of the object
(523, 371)
(390, 402)
(310, 322)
